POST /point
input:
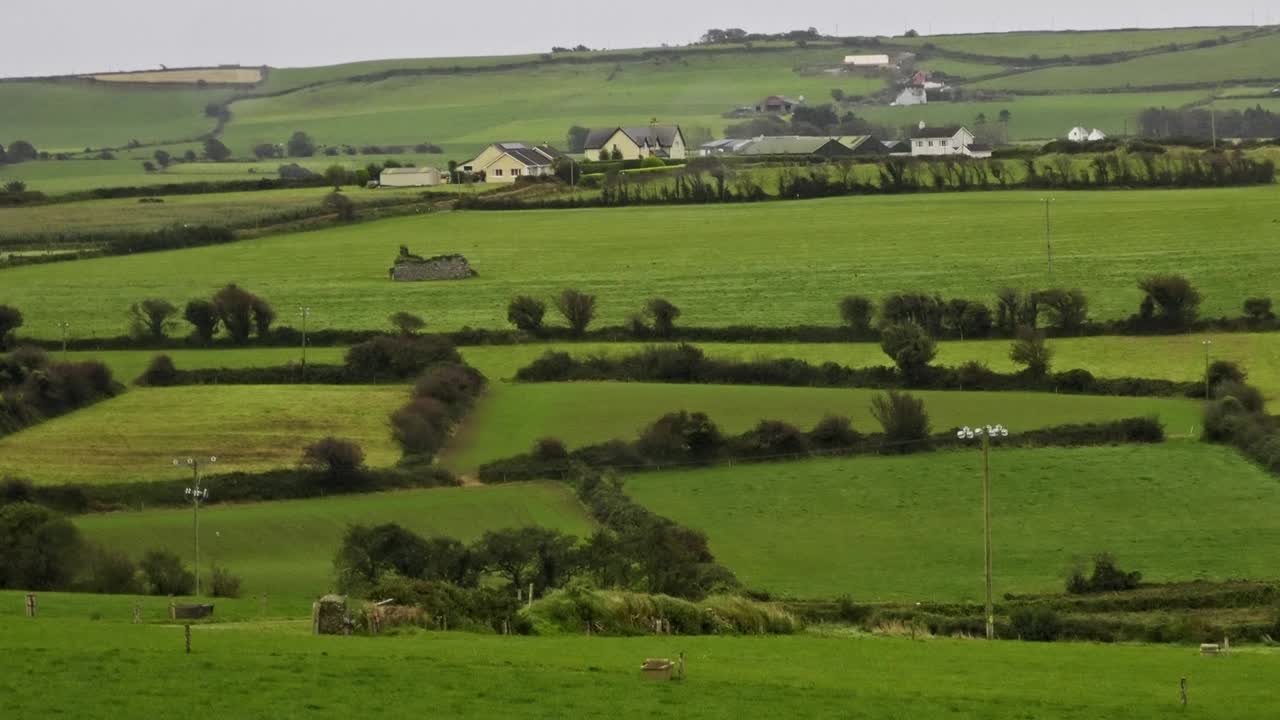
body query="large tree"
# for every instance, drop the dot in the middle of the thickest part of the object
(215, 150)
(300, 145)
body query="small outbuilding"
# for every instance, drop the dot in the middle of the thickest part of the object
(867, 61)
(411, 177)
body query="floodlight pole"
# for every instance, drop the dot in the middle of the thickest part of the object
(196, 493)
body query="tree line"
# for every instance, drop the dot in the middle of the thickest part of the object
(1251, 123)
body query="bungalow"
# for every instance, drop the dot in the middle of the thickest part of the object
(911, 96)
(635, 143)
(867, 61)
(506, 162)
(1080, 135)
(410, 177)
(953, 140)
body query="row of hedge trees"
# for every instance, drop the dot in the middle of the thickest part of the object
(911, 349)
(43, 550)
(692, 438)
(1238, 416)
(34, 388)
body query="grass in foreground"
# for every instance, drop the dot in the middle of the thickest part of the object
(767, 263)
(134, 436)
(263, 670)
(910, 528)
(511, 417)
(287, 548)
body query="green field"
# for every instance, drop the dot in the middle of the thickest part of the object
(767, 264)
(1172, 357)
(1253, 59)
(511, 417)
(286, 549)
(135, 436)
(910, 528)
(277, 670)
(1073, 43)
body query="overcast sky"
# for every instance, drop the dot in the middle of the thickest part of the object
(48, 37)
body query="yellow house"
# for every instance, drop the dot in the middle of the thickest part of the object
(506, 162)
(635, 143)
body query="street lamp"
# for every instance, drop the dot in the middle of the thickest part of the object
(66, 329)
(1206, 344)
(304, 312)
(986, 433)
(196, 493)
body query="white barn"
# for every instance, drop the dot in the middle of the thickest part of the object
(410, 177)
(871, 61)
(1080, 134)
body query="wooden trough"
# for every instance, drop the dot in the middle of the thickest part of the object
(657, 669)
(189, 612)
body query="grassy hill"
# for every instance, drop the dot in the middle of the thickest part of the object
(511, 417)
(1073, 43)
(766, 264)
(136, 435)
(286, 549)
(910, 528)
(272, 669)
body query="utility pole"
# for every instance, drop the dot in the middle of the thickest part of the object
(1048, 234)
(304, 312)
(1206, 344)
(986, 434)
(196, 493)
(1213, 125)
(66, 329)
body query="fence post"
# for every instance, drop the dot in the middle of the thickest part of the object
(31, 605)
(137, 613)
(187, 633)
(1183, 686)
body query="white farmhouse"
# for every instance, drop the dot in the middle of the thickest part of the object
(1095, 135)
(911, 96)
(955, 140)
(1080, 134)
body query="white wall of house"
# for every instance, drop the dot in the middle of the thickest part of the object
(507, 169)
(628, 147)
(954, 145)
(912, 96)
(424, 177)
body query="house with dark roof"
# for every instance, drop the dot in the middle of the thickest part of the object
(778, 105)
(951, 140)
(509, 161)
(636, 143)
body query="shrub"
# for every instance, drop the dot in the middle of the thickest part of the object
(652, 162)
(681, 435)
(1031, 350)
(1221, 371)
(919, 308)
(240, 311)
(1170, 301)
(1249, 397)
(904, 419)
(161, 372)
(1036, 624)
(222, 583)
(1068, 309)
(772, 438)
(909, 346)
(332, 455)
(856, 312)
(1221, 417)
(1258, 309)
(1106, 577)
(577, 308)
(110, 572)
(152, 318)
(421, 427)
(526, 313)
(834, 432)
(388, 357)
(407, 323)
(549, 449)
(165, 574)
(10, 320)
(340, 205)
(663, 315)
(39, 549)
(453, 385)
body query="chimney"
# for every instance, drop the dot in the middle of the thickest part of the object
(922, 125)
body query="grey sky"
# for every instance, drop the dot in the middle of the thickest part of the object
(44, 37)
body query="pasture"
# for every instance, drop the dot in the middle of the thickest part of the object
(265, 669)
(765, 263)
(511, 417)
(910, 528)
(1073, 43)
(286, 549)
(134, 437)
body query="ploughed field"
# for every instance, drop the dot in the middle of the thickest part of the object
(910, 528)
(774, 264)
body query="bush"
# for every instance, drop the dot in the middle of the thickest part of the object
(161, 372)
(577, 308)
(334, 456)
(1249, 397)
(550, 450)
(456, 386)
(904, 419)
(1258, 309)
(241, 313)
(681, 436)
(10, 320)
(910, 348)
(1036, 624)
(856, 312)
(663, 315)
(39, 549)
(222, 583)
(152, 318)
(421, 427)
(1031, 350)
(399, 357)
(340, 205)
(526, 313)
(1170, 302)
(1068, 309)
(772, 438)
(110, 572)
(834, 432)
(1221, 371)
(407, 323)
(165, 574)
(1106, 577)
